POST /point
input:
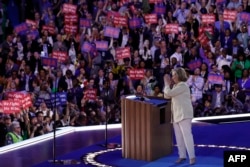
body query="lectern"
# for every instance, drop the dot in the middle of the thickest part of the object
(146, 128)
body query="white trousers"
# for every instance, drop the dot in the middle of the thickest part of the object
(184, 138)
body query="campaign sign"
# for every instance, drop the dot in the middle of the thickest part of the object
(112, 14)
(31, 23)
(155, 1)
(69, 8)
(122, 53)
(21, 28)
(10, 106)
(85, 23)
(151, 18)
(210, 30)
(70, 18)
(215, 78)
(203, 38)
(160, 9)
(63, 97)
(230, 15)
(60, 56)
(47, 61)
(90, 94)
(208, 18)
(101, 45)
(248, 29)
(239, 158)
(136, 74)
(87, 47)
(134, 23)
(26, 101)
(172, 29)
(111, 32)
(50, 29)
(120, 21)
(69, 29)
(42, 100)
(245, 16)
(34, 34)
(194, 64)
(55, 99)
(220, 2)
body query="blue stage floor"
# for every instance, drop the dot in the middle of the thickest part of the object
(211, 141)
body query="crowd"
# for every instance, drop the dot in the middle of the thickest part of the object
(73, 60)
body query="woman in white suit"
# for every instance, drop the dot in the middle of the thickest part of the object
(182, 113)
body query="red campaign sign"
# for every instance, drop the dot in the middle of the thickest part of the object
(136, 74)
(208, 18)
(112, 14)
(69, 8)
(203, 39)
(85, 23)
(60, 56)
(172, 28)
(210, 30)
(21, 28)
(31, 22)
(215, 79)
(27, 102)
(22, 97)
(120, 21)
(155, 1)
(10, 106)
(70, 18)
(151, 18)
(230, 15)
(50, 29)
(70, 28)
(122, 53)
(90, 94)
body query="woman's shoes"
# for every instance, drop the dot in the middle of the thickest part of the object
(180, 160)
(192, 161)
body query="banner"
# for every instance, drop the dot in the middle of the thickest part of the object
(10, 106)
(69, 8)
(50, 29)
(70, 18)
(136, 74)
(47, 61)
(215, 78)
(69, 29)
(172, 28)
(151, 18)
(90, 94)
(194, 64)
(121, 53)
(22, 97)
(245, 16)
(87, 47)
(220, 2)
(120, 21)
(85, 23)
(111, 32)
(160, 9)
(208, 18)
(101, 45)
(155, 1)
(21, 29)
(31, 23)
(60, 56)
(230, 15)
(134, 23)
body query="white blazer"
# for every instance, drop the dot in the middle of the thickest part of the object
(181, 105)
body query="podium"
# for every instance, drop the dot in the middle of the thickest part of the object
(146, 128)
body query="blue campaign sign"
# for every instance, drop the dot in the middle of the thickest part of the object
(47, 61)
(135, 23)
(63, 97)
(59, 98)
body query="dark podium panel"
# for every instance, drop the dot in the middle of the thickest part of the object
(146, 128)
